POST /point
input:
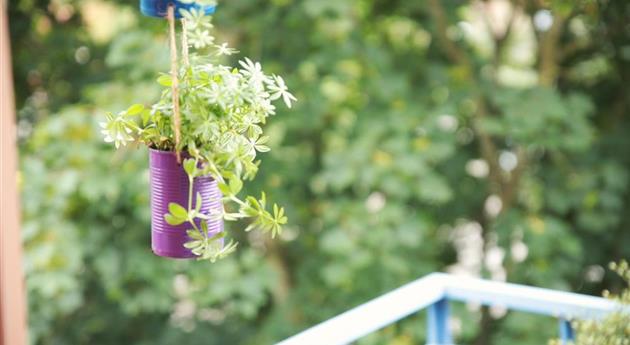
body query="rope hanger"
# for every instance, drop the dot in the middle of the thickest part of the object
(168, 9)
(170, 16)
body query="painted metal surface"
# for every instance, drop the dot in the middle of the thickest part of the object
(169, 183)
(158, 8)
(433, 290)
(525, 298)
(566, 331)
(372, 315)
(438, 331)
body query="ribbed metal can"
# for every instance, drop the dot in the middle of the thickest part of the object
(169, 183)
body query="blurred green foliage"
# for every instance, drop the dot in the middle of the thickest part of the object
(429, 136)
(613, 329)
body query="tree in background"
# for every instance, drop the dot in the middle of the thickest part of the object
(485, 138)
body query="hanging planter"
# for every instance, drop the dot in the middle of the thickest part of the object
(169, 184)
(204, 137)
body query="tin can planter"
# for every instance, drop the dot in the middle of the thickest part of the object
(169, 183)
(158, 8)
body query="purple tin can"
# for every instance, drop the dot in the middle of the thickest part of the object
(169, 183)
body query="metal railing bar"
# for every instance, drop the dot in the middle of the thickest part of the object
(373, 315)
(424, 292)
(530, 299)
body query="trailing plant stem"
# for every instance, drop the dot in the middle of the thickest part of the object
(192, 219)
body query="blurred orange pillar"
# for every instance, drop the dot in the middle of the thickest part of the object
(13, 328)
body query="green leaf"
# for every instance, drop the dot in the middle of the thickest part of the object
(251, 227)
(278, 214)
(263, 200)
(177, 211)
(165, 80)
(198, 250)
(218, 236)
(172, 220)
(135, 109)
(194, 234)
(190, 166)
(193, 244)
(207, 253)
(225, 189)
(192, 148)
(235, 185)
(262, 148)
(248, 211)
(198, 202)
(231, 216)
(146, 116)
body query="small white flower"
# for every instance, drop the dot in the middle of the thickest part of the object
(265, 107)
(117, 130)
(196, 18)
(108, 137)
(279, 89)
(200, 38)
(216, 95)
(253, 71)
(223, 49)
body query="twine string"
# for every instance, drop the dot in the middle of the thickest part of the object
(184, 43)
(170, 16)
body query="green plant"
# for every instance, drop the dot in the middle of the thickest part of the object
(222, 111)
(614, 329)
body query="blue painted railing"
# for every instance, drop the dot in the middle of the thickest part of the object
(434, 292)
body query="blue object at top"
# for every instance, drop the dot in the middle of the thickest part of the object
(158, 8)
